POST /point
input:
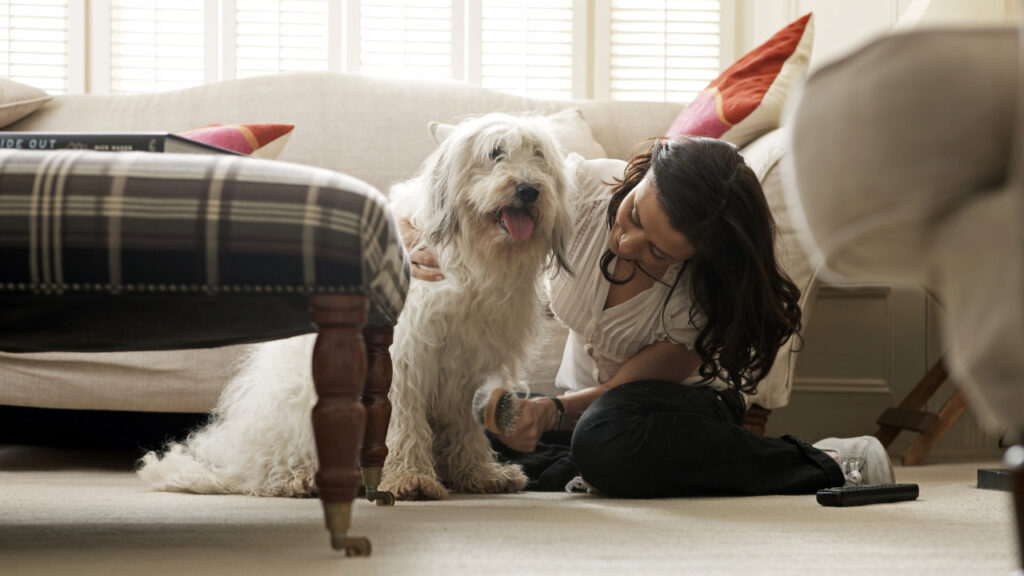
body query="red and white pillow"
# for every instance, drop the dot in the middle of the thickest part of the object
(257, 140)
(746, 100)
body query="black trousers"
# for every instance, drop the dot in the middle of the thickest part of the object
(655, 439)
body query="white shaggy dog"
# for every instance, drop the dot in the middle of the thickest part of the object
(490, 202)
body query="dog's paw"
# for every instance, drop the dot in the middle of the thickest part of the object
(491, 478)
(414, 487)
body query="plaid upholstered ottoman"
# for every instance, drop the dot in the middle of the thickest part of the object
(137, 251)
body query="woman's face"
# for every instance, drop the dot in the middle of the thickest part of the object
(642, 231)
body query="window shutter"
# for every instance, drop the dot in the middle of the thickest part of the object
(526, 47)
(34, 43)
(663, 50)
(406, 37)
(156, 45)
(280, 36)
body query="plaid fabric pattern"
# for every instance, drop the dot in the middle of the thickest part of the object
(82, 222)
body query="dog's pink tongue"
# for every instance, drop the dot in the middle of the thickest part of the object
(518, 222)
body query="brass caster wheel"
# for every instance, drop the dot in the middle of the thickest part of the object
(355, 546)
(382, 498)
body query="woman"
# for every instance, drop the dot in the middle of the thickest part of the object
(677, 307)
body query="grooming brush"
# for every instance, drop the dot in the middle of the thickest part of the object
(500, 413)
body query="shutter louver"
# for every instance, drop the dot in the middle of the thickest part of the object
(406, 37)
(526, 47)
(34, 43)
(663, 50)
(655, 50)
(156, 45)
(280, 36)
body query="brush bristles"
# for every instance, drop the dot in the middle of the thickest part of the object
(502, 411)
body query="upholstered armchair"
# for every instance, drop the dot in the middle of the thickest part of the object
(907, 167)
(135, 251)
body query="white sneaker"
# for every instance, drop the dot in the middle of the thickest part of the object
(579, 485)
(862, 459)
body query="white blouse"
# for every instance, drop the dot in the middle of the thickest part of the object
(601, 340)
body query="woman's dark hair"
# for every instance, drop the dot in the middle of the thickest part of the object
(745, 306)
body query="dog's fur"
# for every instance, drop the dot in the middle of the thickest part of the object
(474, 326)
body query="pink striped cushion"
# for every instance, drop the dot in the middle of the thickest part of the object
(258, 140)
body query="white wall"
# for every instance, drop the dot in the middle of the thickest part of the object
(842, 25)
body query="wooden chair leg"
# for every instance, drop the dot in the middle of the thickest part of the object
(378, 412)
(947, 415)
(915, 400)
(910, 416)
(339, 419)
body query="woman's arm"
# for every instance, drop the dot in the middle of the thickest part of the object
(662, 360)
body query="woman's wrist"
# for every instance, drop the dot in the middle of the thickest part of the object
(546, 413)
(559, 416)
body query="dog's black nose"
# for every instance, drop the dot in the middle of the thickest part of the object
(526, 193)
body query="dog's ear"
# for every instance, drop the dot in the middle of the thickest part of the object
(439, 176)
(440, 131)
(561, 232)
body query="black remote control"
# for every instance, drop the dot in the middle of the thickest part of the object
(870, 494)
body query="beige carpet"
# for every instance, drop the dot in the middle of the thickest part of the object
(82, 513)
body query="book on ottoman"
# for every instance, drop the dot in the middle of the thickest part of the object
(108, 142)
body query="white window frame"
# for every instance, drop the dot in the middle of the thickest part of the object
(89, 49)
(473, 36)
(582, 41)
(461, 47)
(228, 36)
(211, 26)
(353, 36)
(336, 13)
(98, 75)
(77, 42)
(727, 34)
(602, 53)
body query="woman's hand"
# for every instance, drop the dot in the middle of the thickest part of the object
(537, 417)
(424, 264)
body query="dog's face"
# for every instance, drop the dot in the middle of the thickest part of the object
(498, 182)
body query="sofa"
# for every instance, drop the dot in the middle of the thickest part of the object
(936, 200)
(372, 128)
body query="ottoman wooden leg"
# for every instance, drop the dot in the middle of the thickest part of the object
(378, 412)
(339, 419)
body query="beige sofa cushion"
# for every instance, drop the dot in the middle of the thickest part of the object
(18, 100)
(163, 381)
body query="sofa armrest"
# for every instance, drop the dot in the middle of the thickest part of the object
(765, 156)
